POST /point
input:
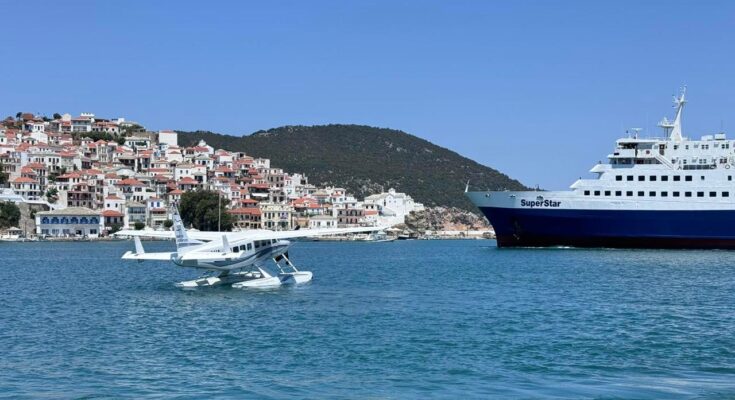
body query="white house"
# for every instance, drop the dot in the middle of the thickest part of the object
(392, 207)
(69, 222)
(169, 138)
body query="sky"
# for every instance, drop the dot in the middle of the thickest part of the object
(539, 90)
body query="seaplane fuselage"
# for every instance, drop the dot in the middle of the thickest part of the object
(240, 254)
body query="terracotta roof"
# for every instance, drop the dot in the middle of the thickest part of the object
(187, 180)
(23, 179)
(130, 182)
(111, 213)
(245, 210)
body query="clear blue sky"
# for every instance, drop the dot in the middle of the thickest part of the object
(539, 90)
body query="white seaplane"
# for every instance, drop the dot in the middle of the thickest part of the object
(232, 258)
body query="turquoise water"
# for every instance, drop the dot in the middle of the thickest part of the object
(417, 319)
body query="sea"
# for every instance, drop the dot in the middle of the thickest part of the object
(400, 320)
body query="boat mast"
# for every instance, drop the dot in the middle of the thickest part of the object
(675, 126)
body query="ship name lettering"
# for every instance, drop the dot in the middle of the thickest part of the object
(539, 203)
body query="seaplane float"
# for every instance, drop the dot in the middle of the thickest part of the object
(232, 258)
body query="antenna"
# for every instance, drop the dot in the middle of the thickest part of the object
(637, 131)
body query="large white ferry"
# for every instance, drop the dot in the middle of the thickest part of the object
(669, 192)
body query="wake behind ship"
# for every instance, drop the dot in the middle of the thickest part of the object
(668, 192)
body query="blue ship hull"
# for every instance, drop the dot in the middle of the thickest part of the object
(523, 227)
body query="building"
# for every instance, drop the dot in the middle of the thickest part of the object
(322, 221)
(392, 207)
(277, 217)
(246, 217)
(169, 138)
(69, 222)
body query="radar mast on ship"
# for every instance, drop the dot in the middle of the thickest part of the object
(673, 128)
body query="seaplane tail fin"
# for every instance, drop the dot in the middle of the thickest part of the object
(138, 246)
(183, 243)
(225, 244)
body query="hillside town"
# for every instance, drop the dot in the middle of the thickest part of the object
(87, 176)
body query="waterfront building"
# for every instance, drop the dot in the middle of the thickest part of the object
(246, 217)
(323, 221)
(69, 222)
(277, 216)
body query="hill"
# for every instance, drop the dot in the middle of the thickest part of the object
(365, 160)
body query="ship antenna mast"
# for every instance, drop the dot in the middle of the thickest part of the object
(673, 128)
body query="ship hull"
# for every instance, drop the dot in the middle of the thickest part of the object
(664, 229)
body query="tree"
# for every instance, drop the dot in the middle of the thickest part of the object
(4, 176)
(18, 114)
(168, 224)
(9, 214)
(57, 116)
(52, 195)
(114, 228)
(139, 225)
(200, 210)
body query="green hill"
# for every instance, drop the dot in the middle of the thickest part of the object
(365, 160)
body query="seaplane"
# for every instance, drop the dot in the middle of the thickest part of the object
(232, 258)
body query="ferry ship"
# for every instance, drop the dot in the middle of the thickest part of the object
(669, 192)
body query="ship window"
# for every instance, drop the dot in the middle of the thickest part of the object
(676, 147)
(677, 178)
(729, 177)
(641, 193)
(641, 178)
(607, 193)
(664, 194)
(665, 178)
(629, 193)
(712, 194)
(688, 178)
(618, 193)
(586, 192)
(597, 192)
(725, 194)
(652, 194)
(652, 178)
(630, 177)
(700, 194)
(687, 194)
(686, 147)
(250, 246)
(618, 177)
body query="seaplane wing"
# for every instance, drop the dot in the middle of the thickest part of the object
(148, 256)
(202, 236)
(254, 234)
(263, 234)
